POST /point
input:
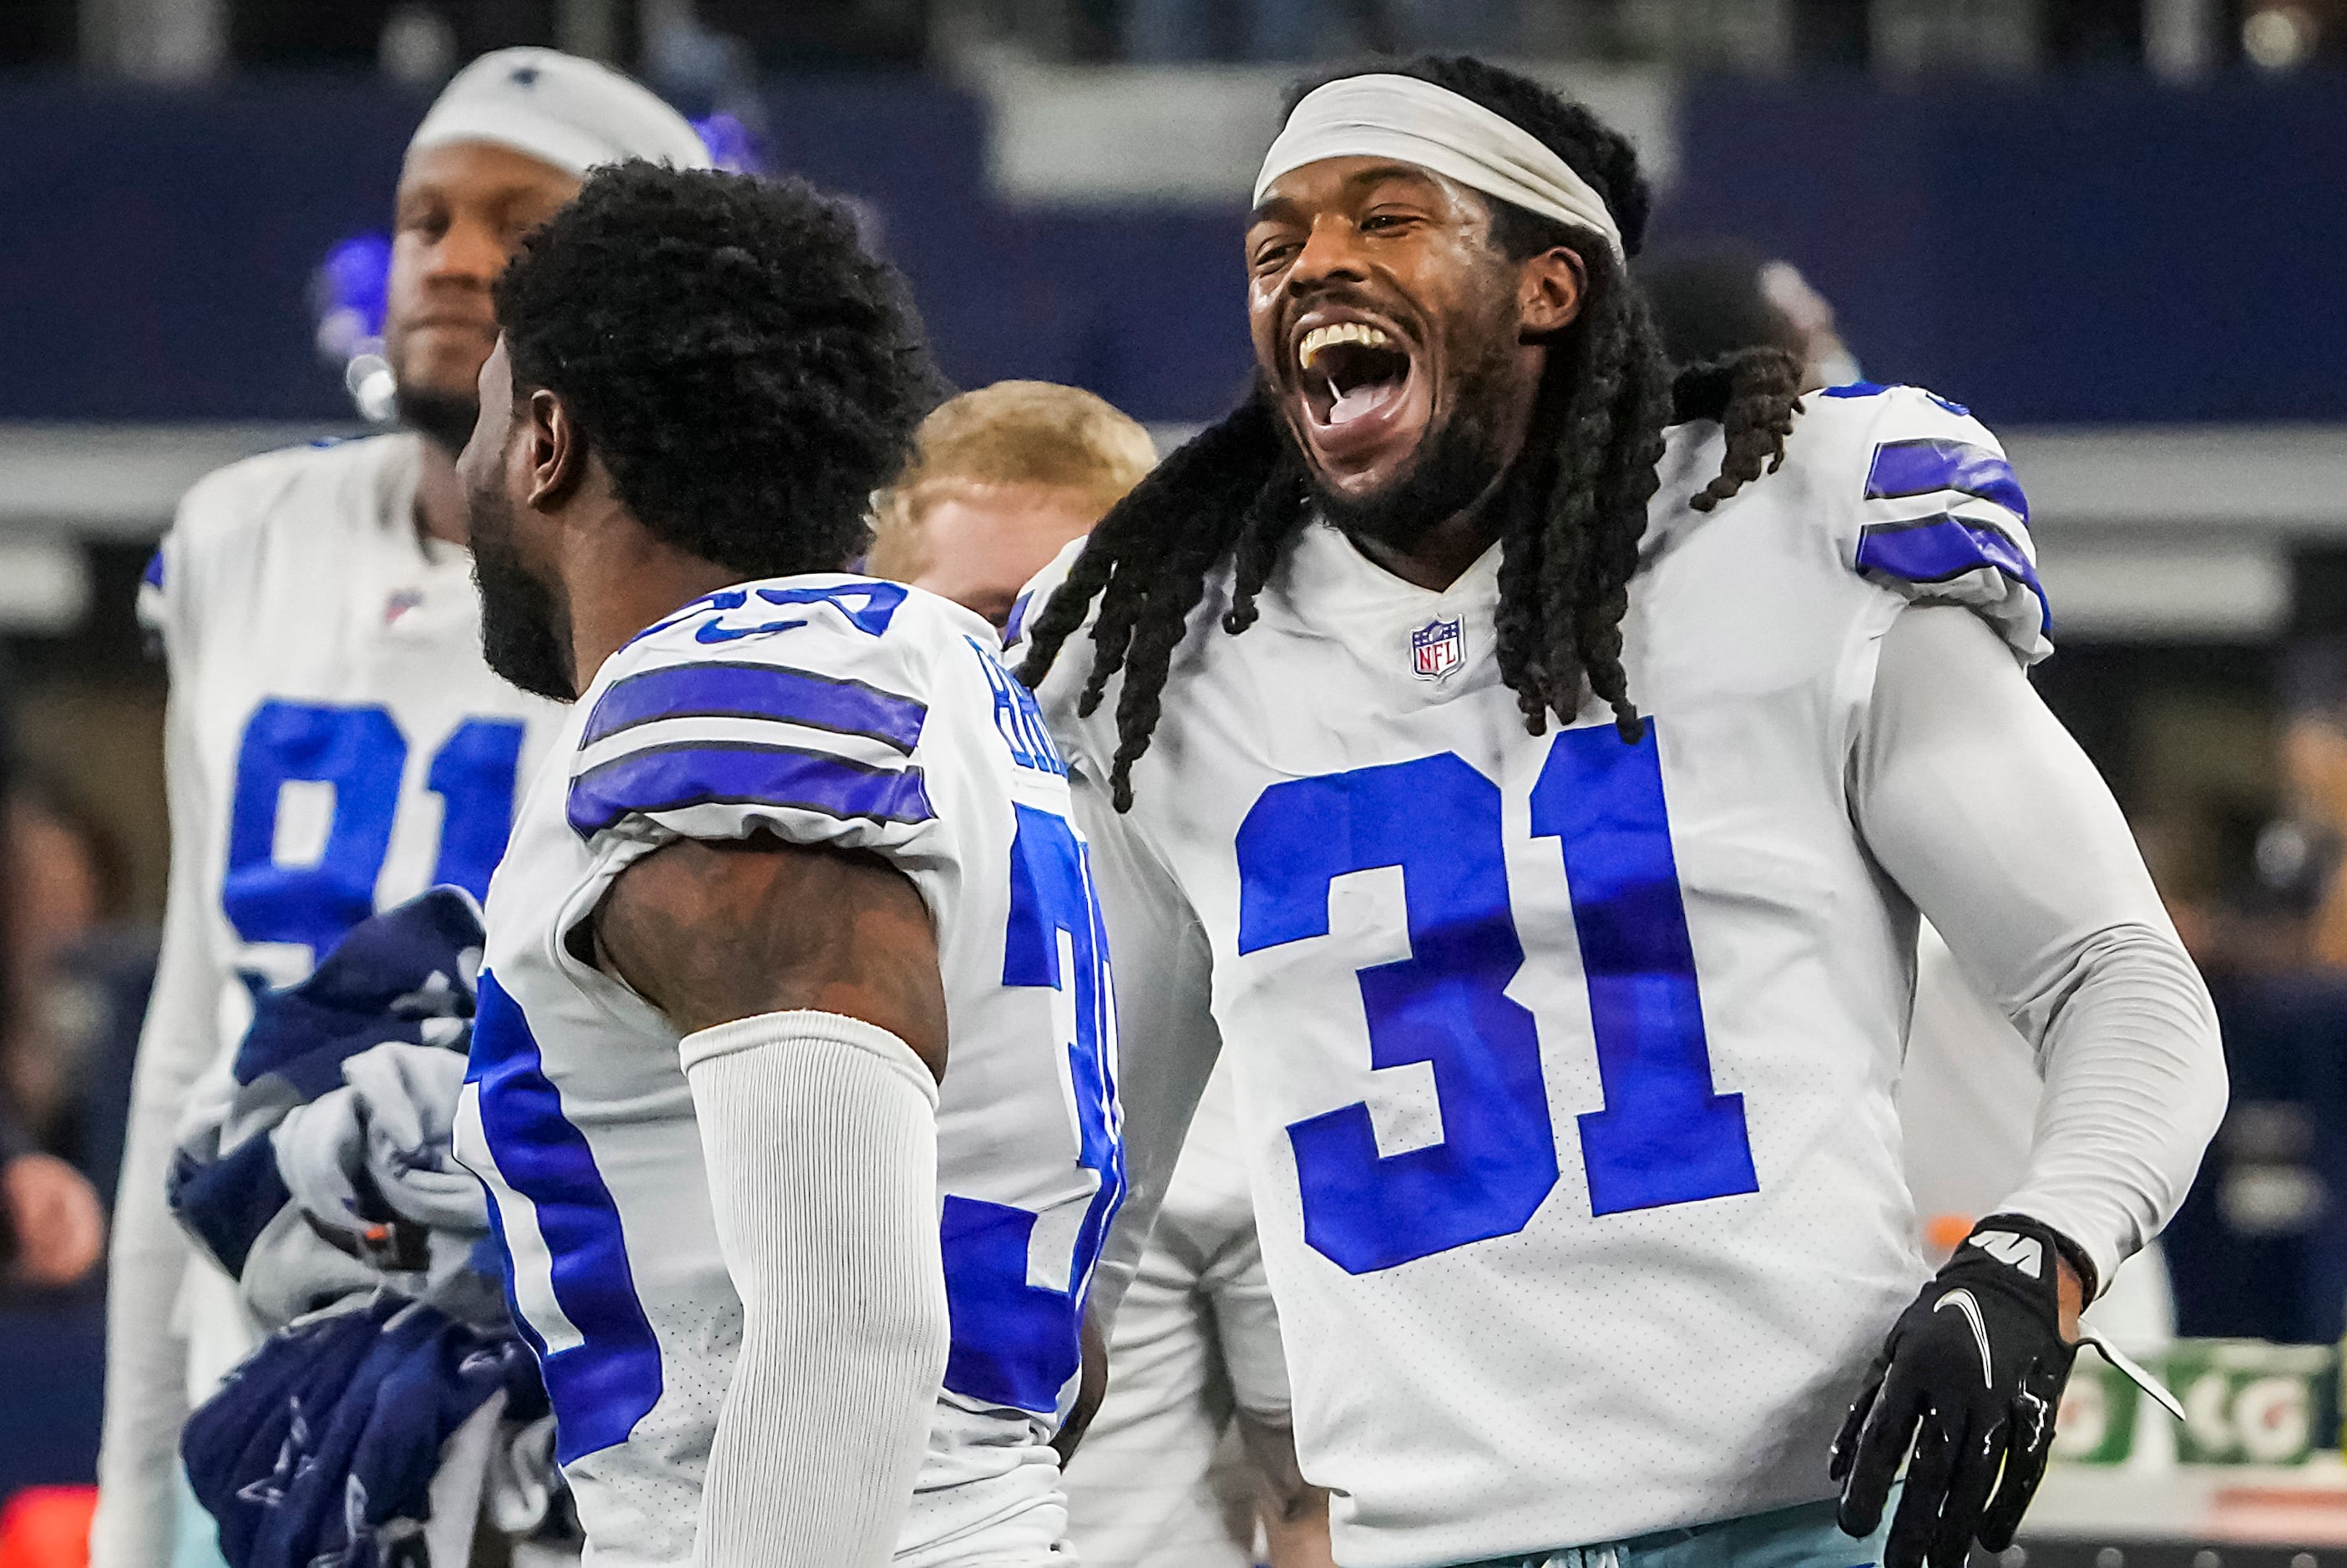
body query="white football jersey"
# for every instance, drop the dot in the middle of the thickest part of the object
(1564, 1065)
(334, 745)
(833, 710)
(1161, 1480)
(353, 746)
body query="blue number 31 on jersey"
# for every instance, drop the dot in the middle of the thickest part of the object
(1664, 1136)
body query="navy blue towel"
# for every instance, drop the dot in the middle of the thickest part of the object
(319, 1451)
(404, 975)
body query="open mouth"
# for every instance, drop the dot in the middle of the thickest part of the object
(1350, 371)
(1363, 401)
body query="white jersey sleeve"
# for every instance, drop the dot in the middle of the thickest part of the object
(1985, 811)
(1987, 814)
(146, 1355)
(1941, 518)
(809, 737)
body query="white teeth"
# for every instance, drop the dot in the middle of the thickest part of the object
(1327, 338)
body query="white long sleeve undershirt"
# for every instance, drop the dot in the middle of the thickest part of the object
(821, 1137)
(1983, 809)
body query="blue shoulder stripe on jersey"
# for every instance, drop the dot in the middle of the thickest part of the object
(1876, 389)
(1937, 549)
(674, 778)
(724, 691)
(1016, 624)
(1929, 465)
(153, 576)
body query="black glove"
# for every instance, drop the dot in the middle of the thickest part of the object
(1980, 1361)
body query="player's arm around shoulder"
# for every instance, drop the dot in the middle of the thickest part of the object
(799, 964)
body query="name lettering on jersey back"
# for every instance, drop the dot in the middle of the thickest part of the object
(868, 606)
(1018, 717)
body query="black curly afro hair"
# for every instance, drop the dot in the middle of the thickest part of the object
(747, 372)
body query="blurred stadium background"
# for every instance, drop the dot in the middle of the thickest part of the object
(2113, 227)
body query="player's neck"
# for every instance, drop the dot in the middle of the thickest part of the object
(620, 579)
(1437, 557)
(440, 496)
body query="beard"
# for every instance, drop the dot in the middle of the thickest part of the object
(444, 418)
(525, 633)
(1456, 465)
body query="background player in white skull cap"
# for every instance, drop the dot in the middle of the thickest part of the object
(335, 743)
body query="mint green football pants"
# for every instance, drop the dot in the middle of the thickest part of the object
(1802, 1536)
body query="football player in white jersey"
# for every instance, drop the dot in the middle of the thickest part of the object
(335, 744)
(805, 1291)
(1000, 479)
(1537, 804)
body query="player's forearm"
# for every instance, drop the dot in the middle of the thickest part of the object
(821, 1142)
(1294, 1513)
(2135, 1086)
(1982, 808)
(1298, 1532)
(820, 1442)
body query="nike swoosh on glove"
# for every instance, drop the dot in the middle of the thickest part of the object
(1969, 1380)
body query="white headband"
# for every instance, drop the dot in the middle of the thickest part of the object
(559, 109)
(1417, 122)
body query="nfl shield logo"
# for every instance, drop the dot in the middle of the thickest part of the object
(1436, 650)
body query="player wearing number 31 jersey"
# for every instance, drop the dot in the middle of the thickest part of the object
(1539, 807)
(792, 1080)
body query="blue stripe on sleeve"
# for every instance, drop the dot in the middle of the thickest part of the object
(758, 692)
(1928, 465)
(1936, 549)
(673, 778)
(153, 576)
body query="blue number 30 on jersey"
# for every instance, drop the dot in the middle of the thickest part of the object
(1664, 1136)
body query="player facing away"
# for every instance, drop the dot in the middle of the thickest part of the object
(335, 744)
(1539, 802)
(800, 830)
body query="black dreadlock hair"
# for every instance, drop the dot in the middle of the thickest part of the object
(1571, 509)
